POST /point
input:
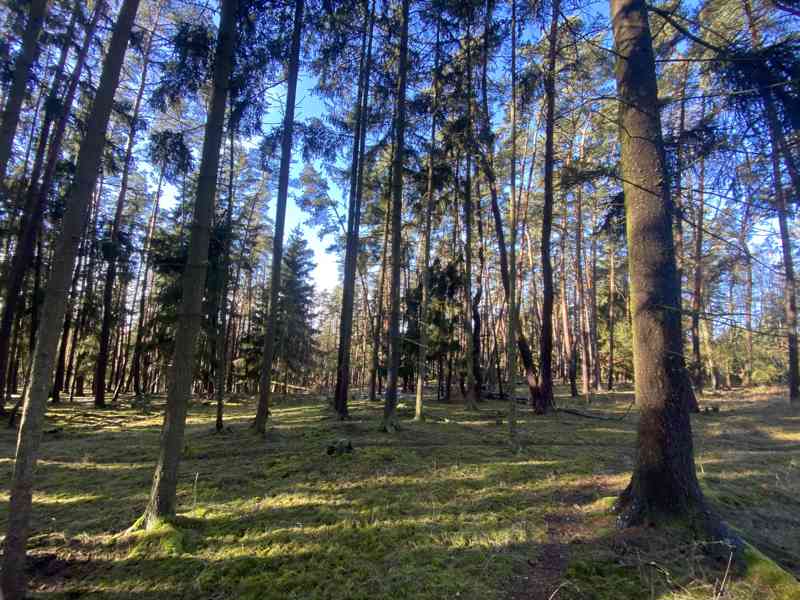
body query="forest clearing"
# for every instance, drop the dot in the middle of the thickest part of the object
(445, 509)
(399, 299)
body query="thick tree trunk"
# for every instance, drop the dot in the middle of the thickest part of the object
(265, 386)
(165, 480)
(664, 483)
(52, 315)
(37, 13)
(398, 162)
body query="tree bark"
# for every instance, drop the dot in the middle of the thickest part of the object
(52, 315)
(165, 480)
(664, 483)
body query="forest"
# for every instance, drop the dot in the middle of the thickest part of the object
(399, 299)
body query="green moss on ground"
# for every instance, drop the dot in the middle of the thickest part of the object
(442, 509)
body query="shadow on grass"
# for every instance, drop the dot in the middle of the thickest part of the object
(443, 509)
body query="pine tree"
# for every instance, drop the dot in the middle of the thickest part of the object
(89, 157)
(295, 327)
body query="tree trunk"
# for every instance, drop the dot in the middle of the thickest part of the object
(390, 404)
(583, 307)
(378, 330)
(354, 217)
(513, 311)
(221, 342)
(544, 398)
(52, 315)
(136, 368)
(265, 386)
(37, 13)
(664, 483)
(611, 299)
(165, 480)
(36, 198)
(789, 288)
(426, 239)
(61, 363)
(470, 398)
(570, 353)
(114, 241)
(697, 296)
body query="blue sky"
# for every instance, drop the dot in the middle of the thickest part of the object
(326, 275)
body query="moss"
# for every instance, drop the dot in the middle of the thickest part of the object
(159, 539)
(766, 574)
(604, 505)
(600, 580)
(439, 510)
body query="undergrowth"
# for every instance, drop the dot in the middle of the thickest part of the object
(445, 508)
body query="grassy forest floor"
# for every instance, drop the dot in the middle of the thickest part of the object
(442, 509)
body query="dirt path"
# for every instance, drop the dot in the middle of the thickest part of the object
(543, 576)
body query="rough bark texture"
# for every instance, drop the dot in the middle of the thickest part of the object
(52, 314)
(265, 384)
(165, 480)
(664, 483)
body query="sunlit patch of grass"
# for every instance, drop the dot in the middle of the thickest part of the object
(446, 508)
